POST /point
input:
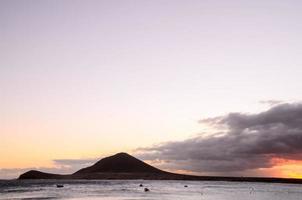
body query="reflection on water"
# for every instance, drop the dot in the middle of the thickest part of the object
(159, 190)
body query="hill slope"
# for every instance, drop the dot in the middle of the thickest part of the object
(34, 174)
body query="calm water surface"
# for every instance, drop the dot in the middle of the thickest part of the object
(159, 190)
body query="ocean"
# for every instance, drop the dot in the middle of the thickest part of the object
(159, 190)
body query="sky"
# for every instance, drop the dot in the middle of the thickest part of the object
(80, 80)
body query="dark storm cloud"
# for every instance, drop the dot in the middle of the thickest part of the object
(249, 141)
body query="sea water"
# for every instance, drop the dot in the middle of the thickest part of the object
(159, 190)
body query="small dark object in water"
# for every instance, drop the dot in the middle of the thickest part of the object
(60, 186)
(140, 185)
(185, 186)
(146, 190)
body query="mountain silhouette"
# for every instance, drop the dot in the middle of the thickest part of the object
(124, 166)
(118, 166)
(120, 163)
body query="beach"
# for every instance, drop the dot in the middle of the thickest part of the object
(158, 190)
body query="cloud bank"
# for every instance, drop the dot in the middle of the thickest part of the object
(242, 142)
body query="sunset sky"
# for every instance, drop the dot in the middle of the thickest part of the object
(206, 87)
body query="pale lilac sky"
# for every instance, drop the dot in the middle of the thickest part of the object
(76, 75)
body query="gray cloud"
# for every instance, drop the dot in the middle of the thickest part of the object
(244, 142)
(271, 102)
(72, 162)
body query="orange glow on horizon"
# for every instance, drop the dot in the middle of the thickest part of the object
(287, 168)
